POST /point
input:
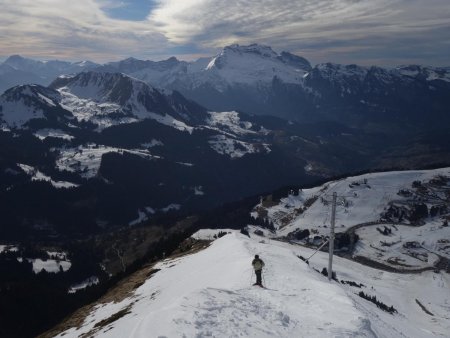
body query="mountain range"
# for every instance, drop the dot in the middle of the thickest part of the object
(257, 80)
(130, 136)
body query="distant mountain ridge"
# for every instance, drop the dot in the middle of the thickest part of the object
(257, 80)
(17, 70)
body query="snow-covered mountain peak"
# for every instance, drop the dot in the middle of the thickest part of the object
(247, 65)
(267, 52)
(19, 62)
(254, 48)
(31, 91)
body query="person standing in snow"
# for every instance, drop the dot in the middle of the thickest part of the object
(258, 265)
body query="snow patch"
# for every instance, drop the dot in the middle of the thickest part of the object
(84, 284)
(230, 121)
(198, 190)
(42, 134)
(152, 143)
(8, 248)
(235, 148)
(49, 265)
(36, 175)
(171, 207)
(87, 159)
(142, 216)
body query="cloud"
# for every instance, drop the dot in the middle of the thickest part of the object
(324, 28)
(346, 31)
(72, 29)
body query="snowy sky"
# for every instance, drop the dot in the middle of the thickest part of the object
(383, 32)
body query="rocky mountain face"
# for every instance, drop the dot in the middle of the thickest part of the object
(407, 97)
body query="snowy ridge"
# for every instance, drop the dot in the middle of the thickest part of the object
(244, 65)
(209, 294)
(354, 79)
(425, 73)
(208, 302)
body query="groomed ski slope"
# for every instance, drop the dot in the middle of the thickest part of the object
(209, 294)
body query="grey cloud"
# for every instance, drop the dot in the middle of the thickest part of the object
(325, 28)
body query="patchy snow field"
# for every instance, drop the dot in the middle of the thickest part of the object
(84, 284)
(209, 294)
(36, 175)
(42, 134)
(87, 159)
(229, 121)
(234, 148)
(8, 248)
(49, 265)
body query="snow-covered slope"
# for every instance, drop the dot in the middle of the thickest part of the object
(209, 294)
(23, 103)
(360, 199)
